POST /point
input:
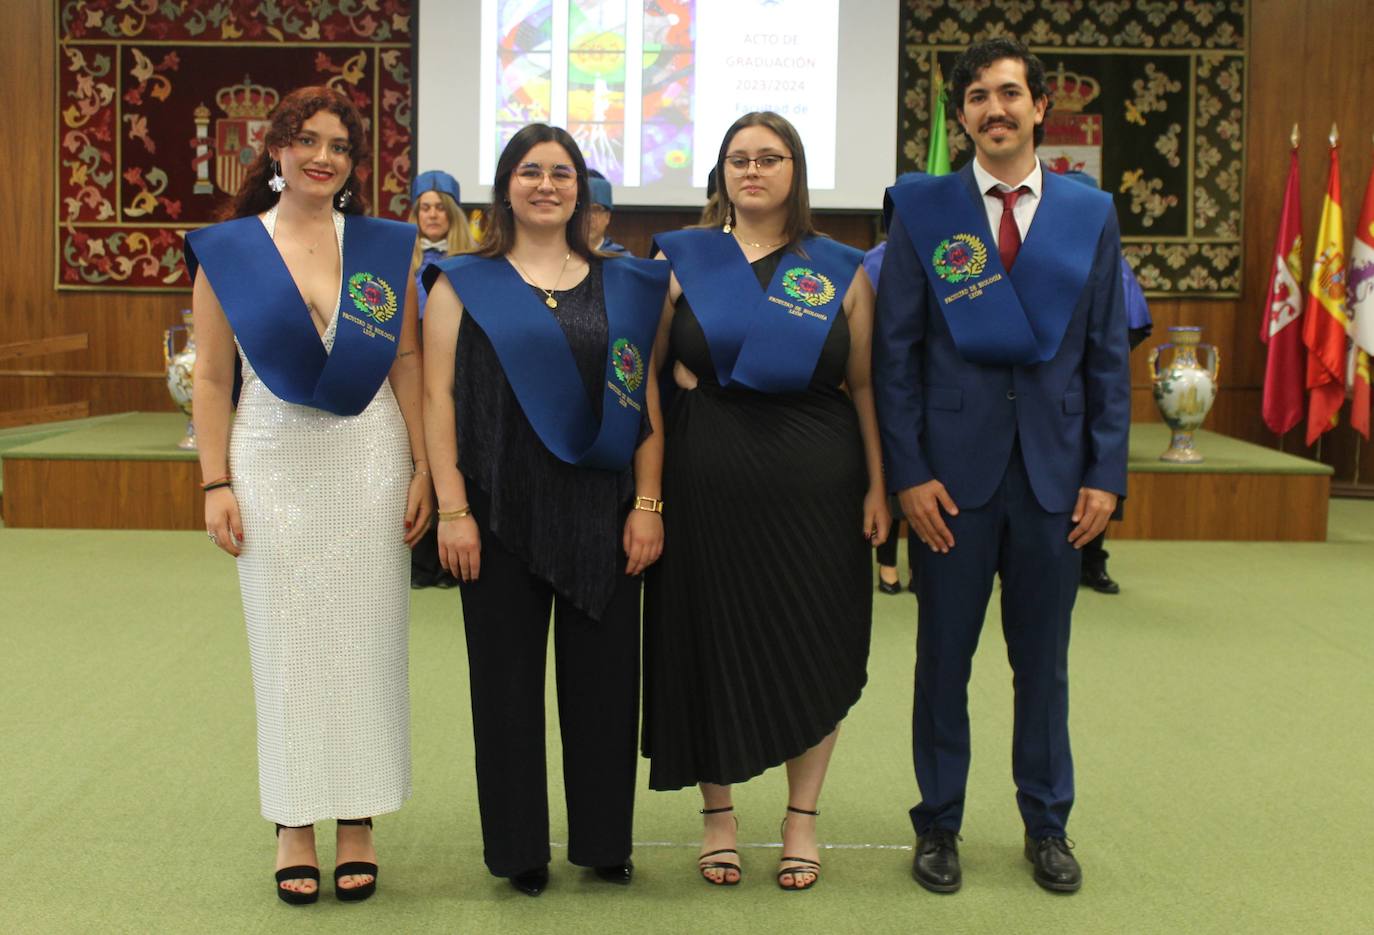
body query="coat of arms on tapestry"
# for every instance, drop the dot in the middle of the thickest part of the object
(162, 106)
(1148, 99)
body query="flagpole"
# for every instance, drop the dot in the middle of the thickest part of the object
(1293, 143)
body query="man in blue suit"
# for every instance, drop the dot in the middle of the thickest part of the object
(1003, 397)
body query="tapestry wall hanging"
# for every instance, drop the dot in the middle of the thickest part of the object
(161, 106)
(1148, 99)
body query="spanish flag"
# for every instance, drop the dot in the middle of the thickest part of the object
(1325, 322)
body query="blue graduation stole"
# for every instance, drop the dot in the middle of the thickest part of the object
(763, 339)
(540, 366)
(274, 328)
(986, 308)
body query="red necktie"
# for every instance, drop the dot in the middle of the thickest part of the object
(1008, 234)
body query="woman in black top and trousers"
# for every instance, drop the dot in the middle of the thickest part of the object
(528, 522)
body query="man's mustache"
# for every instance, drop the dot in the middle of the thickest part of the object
(998, 122)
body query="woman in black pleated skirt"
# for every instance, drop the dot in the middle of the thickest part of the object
(757, 617)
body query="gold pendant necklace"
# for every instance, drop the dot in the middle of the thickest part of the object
(758, 246)
(549, 300)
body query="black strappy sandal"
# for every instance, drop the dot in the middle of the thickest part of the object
(358, 867)
(724, 866)
(299, 872)
(812, 867)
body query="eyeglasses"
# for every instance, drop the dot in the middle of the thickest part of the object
(531, 174)
(766, 164)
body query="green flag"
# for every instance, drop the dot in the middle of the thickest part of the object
(937, 156)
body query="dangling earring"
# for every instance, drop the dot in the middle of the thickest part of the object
(342, 200)
(729, 219)
(276, 182)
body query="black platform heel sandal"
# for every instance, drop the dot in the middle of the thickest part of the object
(355, 867)
(800, 864)
(724, 866)
(300, 872)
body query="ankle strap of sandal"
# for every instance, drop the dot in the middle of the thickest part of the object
(801, 811)
(281, 828)
(717, 811)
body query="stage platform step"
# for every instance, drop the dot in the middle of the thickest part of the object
(1240, 492)
(126, 472)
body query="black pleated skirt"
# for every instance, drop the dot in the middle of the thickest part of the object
(757, 617)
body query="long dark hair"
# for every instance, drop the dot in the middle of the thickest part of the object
(719, 209)
(254, 196)
(498, 237)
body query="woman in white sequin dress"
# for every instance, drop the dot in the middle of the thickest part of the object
(319, 485)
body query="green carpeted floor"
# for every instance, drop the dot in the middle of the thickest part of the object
(1221, 717)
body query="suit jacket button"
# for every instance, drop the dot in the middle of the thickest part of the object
(1011, 394)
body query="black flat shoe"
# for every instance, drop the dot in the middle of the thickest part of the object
(889, 587)
(299, 872)
(936, 864)
(353, 894)
(1094, 575)
(616, 873)
(1056, 869)
(531, 882)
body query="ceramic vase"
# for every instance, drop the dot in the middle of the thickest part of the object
(1184, 390)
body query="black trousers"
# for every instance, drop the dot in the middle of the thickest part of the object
(506, 618)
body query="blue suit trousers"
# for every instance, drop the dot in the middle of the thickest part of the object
(1011, 536)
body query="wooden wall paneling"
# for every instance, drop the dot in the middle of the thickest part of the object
(124, 329)
(103, 494)
(1224, 506)
(1306, 64)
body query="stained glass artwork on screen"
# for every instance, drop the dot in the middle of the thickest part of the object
(568, 63)
(596, 86)
(666, 127)
(524, 63)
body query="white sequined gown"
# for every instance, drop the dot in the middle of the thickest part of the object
(325, 578)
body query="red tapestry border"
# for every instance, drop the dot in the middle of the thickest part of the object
(154, 135)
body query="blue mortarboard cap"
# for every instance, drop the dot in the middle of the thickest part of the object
(435, 181)
(601, 192)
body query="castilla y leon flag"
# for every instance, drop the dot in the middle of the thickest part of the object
(1325, 322)
(1280, 327)
(1359, 299)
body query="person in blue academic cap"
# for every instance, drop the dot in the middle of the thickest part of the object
(599, 217)
(1139, 324)
(889, 582)
(436, 209)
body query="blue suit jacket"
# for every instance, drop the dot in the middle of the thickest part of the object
(944, 418)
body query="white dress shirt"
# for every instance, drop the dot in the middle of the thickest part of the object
(1024, 209)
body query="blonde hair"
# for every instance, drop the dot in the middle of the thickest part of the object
(459, 237)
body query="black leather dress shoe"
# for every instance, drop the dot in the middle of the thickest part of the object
(893, 587)
(616, 873)
(1096, 577)
(1056, 869)
(936, 864)
(531, 882)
